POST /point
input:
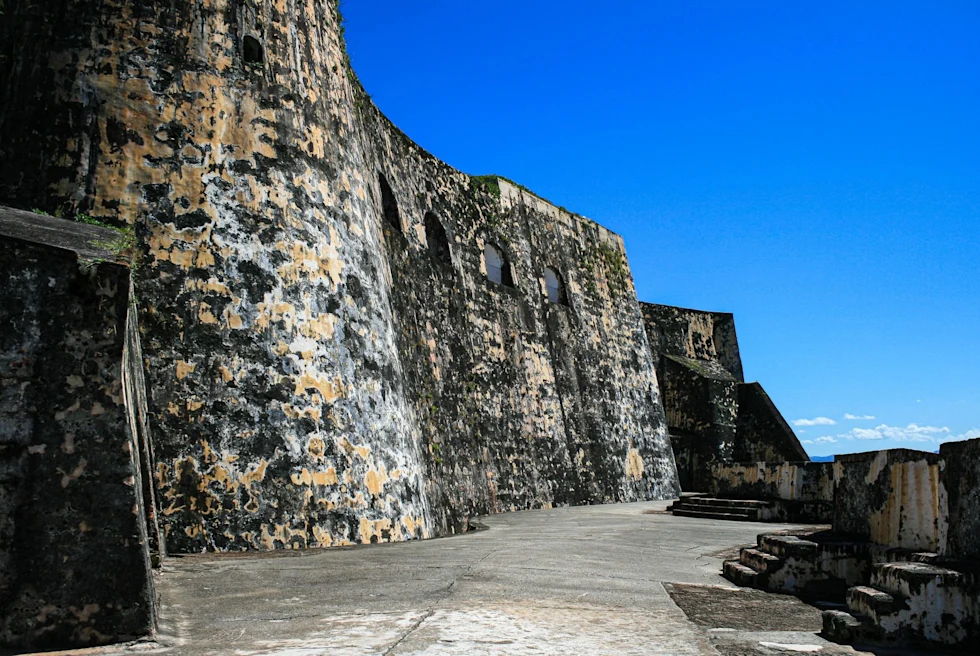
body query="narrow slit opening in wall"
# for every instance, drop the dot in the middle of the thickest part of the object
(252, 52)
(436, 238)
(389, 207)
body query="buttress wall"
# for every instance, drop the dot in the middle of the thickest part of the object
(312, 380)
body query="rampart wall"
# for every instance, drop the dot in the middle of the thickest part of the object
(74, 565)
(327, 362)
(889, 498)
(959, 500)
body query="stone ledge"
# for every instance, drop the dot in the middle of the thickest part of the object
(83, 239)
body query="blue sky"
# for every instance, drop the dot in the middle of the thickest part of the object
(812, 167)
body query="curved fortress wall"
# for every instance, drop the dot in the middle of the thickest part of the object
(319, 372)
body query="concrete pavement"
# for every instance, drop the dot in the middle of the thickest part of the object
(586, 580)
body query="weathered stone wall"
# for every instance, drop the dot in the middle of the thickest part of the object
(713, 416)
(789, 481)
(694, 334)
(522, 402)
(314, 379)
(762, 434)
(701, 403)
(888, 497)
(959, 494)
(799, 491)
(74, 569)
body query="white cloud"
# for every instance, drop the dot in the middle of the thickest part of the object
(858, 417)
(971, 434)
(817, 421)
(910, 433)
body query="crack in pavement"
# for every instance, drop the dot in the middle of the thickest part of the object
(412, 630)
(449, 588)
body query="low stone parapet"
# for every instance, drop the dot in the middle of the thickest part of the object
(959, 493)
(800, 491)
(888, 498)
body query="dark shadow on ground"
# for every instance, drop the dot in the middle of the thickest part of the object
(748, 622)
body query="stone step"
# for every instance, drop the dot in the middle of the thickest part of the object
(907, 579)
(739, 574)
(723, 509)
(760, 561)
(871, 602)
(884, 554)
(843, 627)
(785, 546)
(726, 503)
(744, 516)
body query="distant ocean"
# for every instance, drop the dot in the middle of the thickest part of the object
(821, 458)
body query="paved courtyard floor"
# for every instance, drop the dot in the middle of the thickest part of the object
(586, 581)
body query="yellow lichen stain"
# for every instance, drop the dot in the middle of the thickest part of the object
(330, 390)
(184, 369)
(313, 412)
(305, 263)
(375, 531)
(322, 537)
(86, 613)
(375, 480)
(275, 311)
(320, 478)
(634, 464)
(281, 534)
(208, 456)
(878, 465)
(362, 451)
(316, 447)
(226, 374)
(79, 469)
(256, 474)
(204, 314)
(322, 326)
(223, 476)
(232, 319)
(412, 526)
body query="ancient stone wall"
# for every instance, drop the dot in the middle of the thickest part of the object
(694, 334)
(888, 497)
(789, 481)
(74, 567)
(327, 362)
(798, 491)
(959, 493)
(713, 416)
(762, 434)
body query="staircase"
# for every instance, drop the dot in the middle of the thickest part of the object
(813, 564)
(891, 595)
(730, 509)
(919, 600)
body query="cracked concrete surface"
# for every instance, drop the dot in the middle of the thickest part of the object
(586, 580)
